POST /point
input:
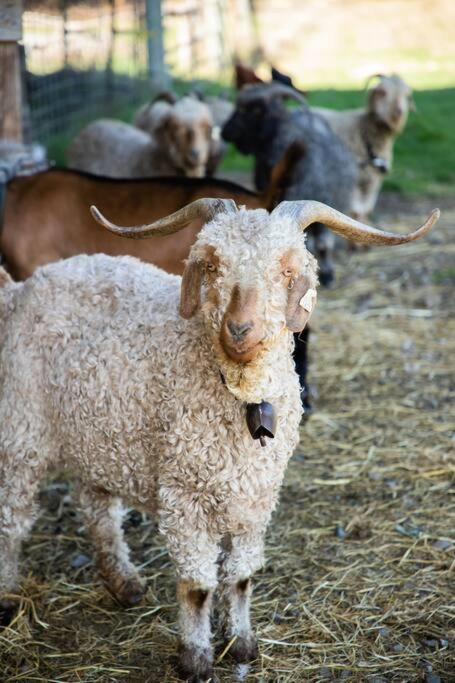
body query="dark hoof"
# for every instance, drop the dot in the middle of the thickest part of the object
(326, 279)
(8, 609)
(244, 650)
(131, 593)
(196, 665)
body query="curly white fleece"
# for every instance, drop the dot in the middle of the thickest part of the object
(99, 372)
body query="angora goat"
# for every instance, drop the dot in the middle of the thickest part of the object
(137, 380)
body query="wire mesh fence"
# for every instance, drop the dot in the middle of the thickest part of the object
(92, 57)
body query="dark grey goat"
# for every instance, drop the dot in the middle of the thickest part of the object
(320, 167)
(326, 171)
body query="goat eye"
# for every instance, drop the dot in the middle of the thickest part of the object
(287, 272)
(211, 267)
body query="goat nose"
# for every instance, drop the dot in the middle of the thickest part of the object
(193, 154)
(239, 330)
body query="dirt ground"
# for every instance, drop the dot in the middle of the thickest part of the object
(359, 581)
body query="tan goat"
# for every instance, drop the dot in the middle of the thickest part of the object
(370, 133)
(175, 139)
(184, 127)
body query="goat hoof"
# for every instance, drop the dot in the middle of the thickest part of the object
(196, 664)
(326, 279)
(131, 593)
(244, 649)
(8, 609)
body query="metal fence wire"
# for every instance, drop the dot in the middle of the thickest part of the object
(84, 58)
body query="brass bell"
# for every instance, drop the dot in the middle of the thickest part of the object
(261, 420)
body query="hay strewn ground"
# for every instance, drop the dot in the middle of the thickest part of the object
(359, 584)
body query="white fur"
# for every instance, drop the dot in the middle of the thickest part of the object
(98, 372)
(380, 123)
(160, 142)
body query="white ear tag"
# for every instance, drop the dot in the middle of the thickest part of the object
(307, 300)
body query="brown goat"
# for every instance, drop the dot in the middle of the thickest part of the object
(47, 216)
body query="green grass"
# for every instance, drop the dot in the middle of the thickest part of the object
(424, 160)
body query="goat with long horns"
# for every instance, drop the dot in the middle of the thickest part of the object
(181, 361)
(248, 284)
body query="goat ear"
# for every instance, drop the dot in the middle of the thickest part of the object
(190, 290)
(167, 122)
(301, 302)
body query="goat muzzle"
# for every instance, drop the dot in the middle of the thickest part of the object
(241, 343)
(241, 332)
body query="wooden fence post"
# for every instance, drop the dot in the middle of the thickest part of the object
(10, 70)
(155, 45)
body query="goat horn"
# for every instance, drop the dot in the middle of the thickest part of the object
(370, 78)
(276, 89)
(200, 208)
(308, 212)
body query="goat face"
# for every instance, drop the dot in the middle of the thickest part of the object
(257, 277)
(188, 144)
(254, 270)
(253, 122)
(390, 102)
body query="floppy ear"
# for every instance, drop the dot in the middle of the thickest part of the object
(301, 302)
(190, 290)
(167, 122)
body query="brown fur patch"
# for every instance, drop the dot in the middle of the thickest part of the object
(100, 491)
(296, 316)
(190, 290)
(197, 597)
(190, 293)
(281, 175)
(242, 310)
(243, 585)
(289, 261)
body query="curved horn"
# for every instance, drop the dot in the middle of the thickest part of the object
(276, 89)
(308, 212)
(200, 208)
(370, 78)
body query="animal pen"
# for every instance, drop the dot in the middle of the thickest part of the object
(359, 580)
(86, 58)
